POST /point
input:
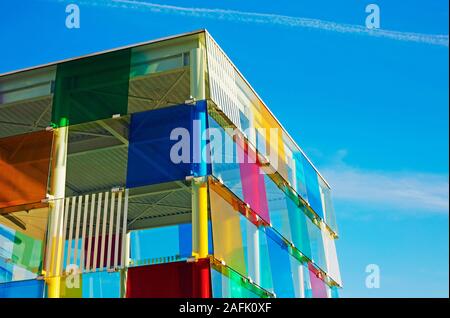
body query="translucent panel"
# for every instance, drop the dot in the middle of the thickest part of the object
(24, 166)
(287, 218)
(302, 283)
(101, 285)
(231, 285)
(227, 237)
(91, 88)
(160, 73)
(26, 101)
(317, 245)
(319, 288)
(330, 217)
(298, 175)
(170, 280)
(280, 263)
(274, 142)
(331, 256)
(143, 65)
(260, 192)
(312, 186)
(22, 237)
(256, 254)
(235, 165)
(23, 289)
(97, 156)
(159, 205)
(278, 208)
(160, 147)
(224, 158)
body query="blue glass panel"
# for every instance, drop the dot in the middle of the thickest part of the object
(274, 236)
(201, 158)
(150, 148)
(101, 285)
(185, 239)
(146, 245)
(22, 289)
(300, 182)
(312, 186)
(281, 270)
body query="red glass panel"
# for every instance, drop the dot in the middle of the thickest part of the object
(170, 280)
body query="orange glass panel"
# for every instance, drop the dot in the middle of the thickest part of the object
(24, 168)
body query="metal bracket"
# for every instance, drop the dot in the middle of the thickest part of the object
(191, 101)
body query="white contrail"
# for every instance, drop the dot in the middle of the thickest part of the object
(253, 17)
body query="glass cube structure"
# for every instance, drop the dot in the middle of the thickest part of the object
(155, 170)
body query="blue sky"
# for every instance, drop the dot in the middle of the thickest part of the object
(371, 112)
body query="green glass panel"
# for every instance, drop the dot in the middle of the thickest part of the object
(28, 253)
(229, 284)
(91, 88)
(299, 228)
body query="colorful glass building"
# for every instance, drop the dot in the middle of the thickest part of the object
(155, 170)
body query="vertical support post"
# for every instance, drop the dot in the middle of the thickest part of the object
(199, 184)
(199, 218)
(124, 270)
(57, 191)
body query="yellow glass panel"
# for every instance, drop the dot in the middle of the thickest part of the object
(71, 286)
(227, 235)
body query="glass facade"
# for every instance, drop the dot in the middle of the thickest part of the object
(156, 171)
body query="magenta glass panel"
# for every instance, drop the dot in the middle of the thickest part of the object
(252, 178)
(319, 289)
